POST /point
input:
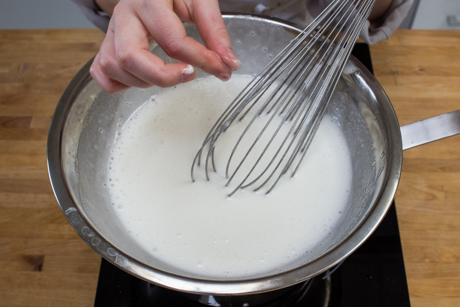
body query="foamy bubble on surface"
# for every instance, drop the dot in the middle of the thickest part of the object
(241, 237)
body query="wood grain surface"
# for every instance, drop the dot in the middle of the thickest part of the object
(43, 262)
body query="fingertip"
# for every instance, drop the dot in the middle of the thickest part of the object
(187, 74)
(188, 70)
(223, 76)
(230, 60)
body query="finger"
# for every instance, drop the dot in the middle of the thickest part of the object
(167, 30)
(213, 31)
(107, 84)
(110, 67)
(132, 53)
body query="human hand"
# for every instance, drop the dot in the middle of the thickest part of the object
(124, 59)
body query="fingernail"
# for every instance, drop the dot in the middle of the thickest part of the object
(233, 62)
(223, 76)
(187, 74)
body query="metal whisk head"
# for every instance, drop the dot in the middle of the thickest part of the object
(282, 107)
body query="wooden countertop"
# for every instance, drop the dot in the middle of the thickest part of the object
(43, 262)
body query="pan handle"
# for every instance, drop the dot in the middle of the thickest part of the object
(430, 129)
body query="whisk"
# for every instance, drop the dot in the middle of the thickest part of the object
(287, 100)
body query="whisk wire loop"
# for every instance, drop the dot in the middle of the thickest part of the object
(295, 88)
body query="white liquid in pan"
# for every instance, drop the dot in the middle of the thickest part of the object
(194, 227)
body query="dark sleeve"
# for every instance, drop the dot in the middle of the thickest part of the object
(94, 14)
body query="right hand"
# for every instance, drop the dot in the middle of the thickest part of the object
(124, 59)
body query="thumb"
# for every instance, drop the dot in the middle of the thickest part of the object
(211, 27)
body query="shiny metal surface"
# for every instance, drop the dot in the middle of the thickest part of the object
(87, 121)
(295, 86)
(430, 129)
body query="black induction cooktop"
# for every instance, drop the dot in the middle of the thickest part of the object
(373, 275)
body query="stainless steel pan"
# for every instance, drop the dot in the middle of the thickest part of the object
(87, 120)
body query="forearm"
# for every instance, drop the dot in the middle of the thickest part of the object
(107, 5)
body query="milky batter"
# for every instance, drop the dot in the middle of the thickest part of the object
(194, 226)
